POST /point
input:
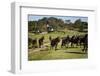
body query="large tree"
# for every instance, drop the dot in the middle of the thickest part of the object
(80, 25)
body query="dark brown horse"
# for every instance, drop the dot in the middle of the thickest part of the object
(41, 41)
(65, 41)
(54, 42)
(85, 43)
(74, 40)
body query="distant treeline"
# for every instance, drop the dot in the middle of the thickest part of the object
(56, 24)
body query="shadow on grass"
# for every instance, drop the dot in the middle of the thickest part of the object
(76, 52)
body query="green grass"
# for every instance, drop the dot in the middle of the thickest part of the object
(50, 54)
(55, 34)
(61, 53)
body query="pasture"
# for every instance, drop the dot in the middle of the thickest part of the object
(45, 53)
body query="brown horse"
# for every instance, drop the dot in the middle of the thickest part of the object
(41, 41)
(65, 41)
(54, 42)
(85, 43)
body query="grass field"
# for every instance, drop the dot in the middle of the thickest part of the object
(46, 53)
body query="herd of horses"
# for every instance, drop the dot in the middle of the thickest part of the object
(68, 41)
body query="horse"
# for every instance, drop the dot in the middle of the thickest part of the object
(34, 43)
(74, 40)
(85, 43)
(54, 42)
(41, 41)
(65, 41)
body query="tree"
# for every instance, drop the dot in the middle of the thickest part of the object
(77, 23)
(31, 25)
(80, 25)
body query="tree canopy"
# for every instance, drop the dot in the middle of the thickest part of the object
(57, 24)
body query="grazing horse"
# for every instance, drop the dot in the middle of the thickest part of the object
(41, 41)
(65, 41)
(54, 42)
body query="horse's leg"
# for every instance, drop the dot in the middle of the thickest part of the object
(42, 44)
(83, 48)
(80, 44)
(39, 44)
(86, 48)
(76, 44)
(61, 45)
(71, 44)
(66, 45)
(55, 47)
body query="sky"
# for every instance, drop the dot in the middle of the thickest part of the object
(71, 18)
